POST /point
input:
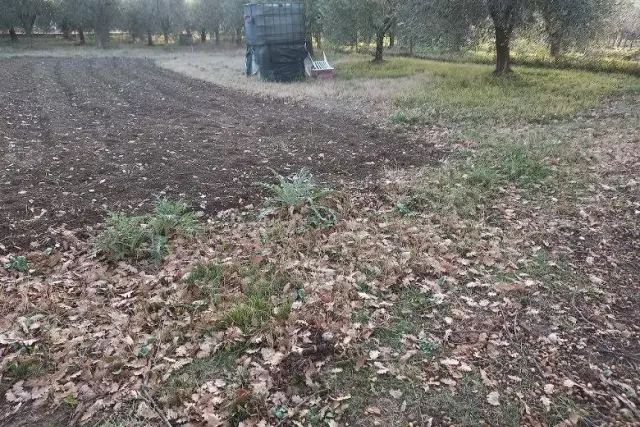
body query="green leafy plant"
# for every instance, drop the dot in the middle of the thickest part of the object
(146, 236)
(18, 263)
(71, 400)
(299, 192)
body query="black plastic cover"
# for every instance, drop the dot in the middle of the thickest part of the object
(281, 62)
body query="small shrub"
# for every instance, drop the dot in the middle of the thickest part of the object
(171, 217)
(146, 236)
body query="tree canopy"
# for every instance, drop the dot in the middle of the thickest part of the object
(448, 24)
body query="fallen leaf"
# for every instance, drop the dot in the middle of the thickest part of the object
(450, 362)
(485, 379)
(508, 287)
(373, 410)
(396, 394)
(493, 398)
(546, 402)
(548, 389)
(271, 356)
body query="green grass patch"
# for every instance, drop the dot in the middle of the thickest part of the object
(472, 180)
(454, 92)
(406, 319)
(391, 68)
(209, 280)
(261, 302)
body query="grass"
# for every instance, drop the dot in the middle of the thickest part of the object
(209, 279)
(26, 368)
(454, 92)
(182, 384)
(146, 236)
(467, 184)
(466, 406)
(406, 319)
(261, 300)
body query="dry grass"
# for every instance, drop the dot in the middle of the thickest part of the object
(227, 69)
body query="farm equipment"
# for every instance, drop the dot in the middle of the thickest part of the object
(321, 68)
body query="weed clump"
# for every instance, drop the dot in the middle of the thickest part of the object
(146, 236)
(300, 193)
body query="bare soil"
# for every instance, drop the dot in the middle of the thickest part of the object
(82, 136)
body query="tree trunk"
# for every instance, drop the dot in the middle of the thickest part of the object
(379, 46)
(81, 36)
(504, 16)
(13, 35)
(319, 41)
(309, 44)
(217, 33)
(103, 38)
(66, 31)
(392, 40)
(555, 45)
(27, 23)
(503, 51)
(238, 36)
(203, 36)
(165, 34)
(149, 38)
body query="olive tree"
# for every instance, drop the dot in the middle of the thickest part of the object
(445, 24)
(98, 15)
(139, 18)
(170, 15)
(23, 14)
(206, 16)
(568, 22)
(366, 19)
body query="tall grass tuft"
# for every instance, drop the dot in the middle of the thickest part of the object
(146, 236)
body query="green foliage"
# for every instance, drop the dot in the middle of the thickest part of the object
(468, 92)
(299, 193)
(208, 278)
(260, 302)
(25, 368)
(467, 185)
(18, 263)
(403, 117)
(146, 236)
(71, 400)
(295, 190)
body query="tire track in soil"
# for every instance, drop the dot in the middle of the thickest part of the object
(110, 133)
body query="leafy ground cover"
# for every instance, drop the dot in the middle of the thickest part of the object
(518, 312)
(496, 288)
